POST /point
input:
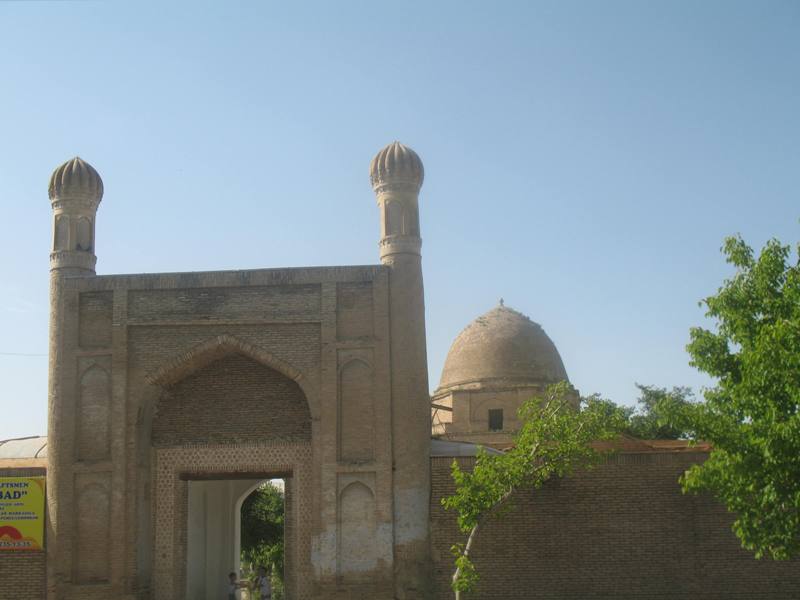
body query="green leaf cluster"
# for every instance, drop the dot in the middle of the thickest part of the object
(750, 416)
(554, 439)
(262, 528)
(649, 422)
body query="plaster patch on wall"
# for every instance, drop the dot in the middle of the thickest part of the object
(384, 537)
(323, 554)
(411, 515)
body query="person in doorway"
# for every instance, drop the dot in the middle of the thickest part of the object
(233, 585)
(262, 586)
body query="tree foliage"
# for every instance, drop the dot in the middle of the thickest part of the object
(648, 420)
(554, 440)
(750, 416)
(262, 527)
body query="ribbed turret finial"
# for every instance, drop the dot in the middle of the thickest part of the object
(76, 179)
(396, 165)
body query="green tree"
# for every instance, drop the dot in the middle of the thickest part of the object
(751, 416)
(262, 528)
(648, 421)
(554, 439)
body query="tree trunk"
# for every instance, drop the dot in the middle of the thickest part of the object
(470, 541)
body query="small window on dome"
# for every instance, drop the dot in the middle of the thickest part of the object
(495, 419)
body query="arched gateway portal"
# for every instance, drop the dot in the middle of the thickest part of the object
(317, 375)
(229, 420)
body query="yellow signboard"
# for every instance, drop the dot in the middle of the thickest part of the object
(21, 513)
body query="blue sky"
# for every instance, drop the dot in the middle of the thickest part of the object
(584, 160)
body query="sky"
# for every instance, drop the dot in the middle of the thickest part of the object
(584, 160)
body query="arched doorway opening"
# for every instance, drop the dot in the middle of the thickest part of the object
(235, 526)
(218, 432)
(260, 536)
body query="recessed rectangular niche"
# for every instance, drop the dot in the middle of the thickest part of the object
(94, 408)
(356, 413)
(92, 527)
(354, 316)
(356, 525)
(95, 317)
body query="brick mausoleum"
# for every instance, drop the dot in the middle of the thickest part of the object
(172, 395)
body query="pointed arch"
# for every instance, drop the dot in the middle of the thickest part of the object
(356, 359)
(219, 347)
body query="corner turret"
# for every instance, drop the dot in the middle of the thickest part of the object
(75, 193)
(396, 174)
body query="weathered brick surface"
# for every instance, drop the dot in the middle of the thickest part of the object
(623, 531)
(234, 399)
(22, 574)
(296, 343)
(214, 303)
(94, 315)
(354, 310)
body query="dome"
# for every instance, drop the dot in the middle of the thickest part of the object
(502, 347)
(74, 178)
(396, 164)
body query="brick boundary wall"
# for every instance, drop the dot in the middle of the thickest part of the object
(23, 575)
(623, 531)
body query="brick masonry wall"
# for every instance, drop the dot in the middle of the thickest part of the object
(623, 531)
(22, 574)
(234, 399)
(156, 332)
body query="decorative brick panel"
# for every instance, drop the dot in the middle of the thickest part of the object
(174, 466)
